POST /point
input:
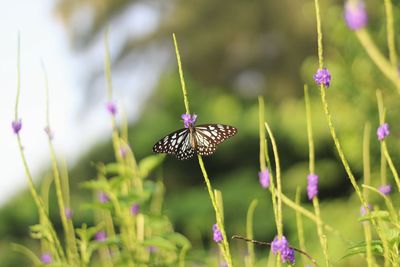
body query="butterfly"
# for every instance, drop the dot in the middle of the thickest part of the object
(202, 139)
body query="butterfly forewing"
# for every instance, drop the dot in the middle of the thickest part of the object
(174, 143)
(208, 136)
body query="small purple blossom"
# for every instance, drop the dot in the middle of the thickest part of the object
(355, 15)
(16, 125)
(123, 150)
(111, 108)
(264, 178)
(217, 235)
(363, 210)
(385, 189)
(46, 258)
(323, 77)
(68, 213)
(189, 119)
(282, 246)
(383, 131)
(135, 208)
(100, 236)
(312, 185)
(103, 197)
(152, 249)
(49, 132)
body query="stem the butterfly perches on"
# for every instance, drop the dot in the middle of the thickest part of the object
(190, 132)
(261, 243)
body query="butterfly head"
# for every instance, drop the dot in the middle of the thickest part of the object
(189, 120)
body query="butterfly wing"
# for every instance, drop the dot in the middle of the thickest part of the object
(176, 143)
(208, 136)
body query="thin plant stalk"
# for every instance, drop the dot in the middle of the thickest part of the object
(321, 235)
(385, 156)
(107, 72)
(72, 251)
(380, 61)
(225, 246)
(278, 182)
(390, 35)
(264, 157)
(327, 112)
(250, 258)
(38, 201)
(367, 181)
(300, 228)
(382, 113)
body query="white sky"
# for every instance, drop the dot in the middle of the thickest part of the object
(44, 38)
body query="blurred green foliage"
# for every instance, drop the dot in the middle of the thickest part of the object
(226, 46)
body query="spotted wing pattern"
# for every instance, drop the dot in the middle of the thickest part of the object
(176, 143)
(208, 136)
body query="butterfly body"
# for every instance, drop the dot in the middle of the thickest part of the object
(202, 139)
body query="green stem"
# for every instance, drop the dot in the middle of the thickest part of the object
(225, 245)
(39, 203)
(391, 165)
(320, 231)
(278, 182)
(390, 32)
(382, 112)
(300, 228)
(250, 258)
(339, 147)
(380, 61)
(311, 153)
(319, 34)
(178, 58)
(72, 251)
(18, 76)
(261, 120)
(290, 203)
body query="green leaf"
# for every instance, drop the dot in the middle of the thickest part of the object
(100, 185)
(148, 164)
(178, 239)
(380, 214)
(361, 248)
(116, 168)
(159, 242)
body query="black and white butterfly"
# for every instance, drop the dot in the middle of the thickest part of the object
(202, 139)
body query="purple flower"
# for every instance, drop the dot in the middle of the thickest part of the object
(100, 236)
(68, 213)
(264, 178)
(16, 125)
(355, 15)
(312, 185)
(383, 131)
(123, 151)
(135, 208)
(363, 210)
(282, 246)
(322, 77)
(385, 189)
(46, 258)
(217, 235)
(152, 249)
(49, 132)
(103, 198)
(189, 119)
(111, 108)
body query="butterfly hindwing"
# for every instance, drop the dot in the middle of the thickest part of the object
(176, 143)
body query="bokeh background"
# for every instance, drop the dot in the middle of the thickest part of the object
(232, 51)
